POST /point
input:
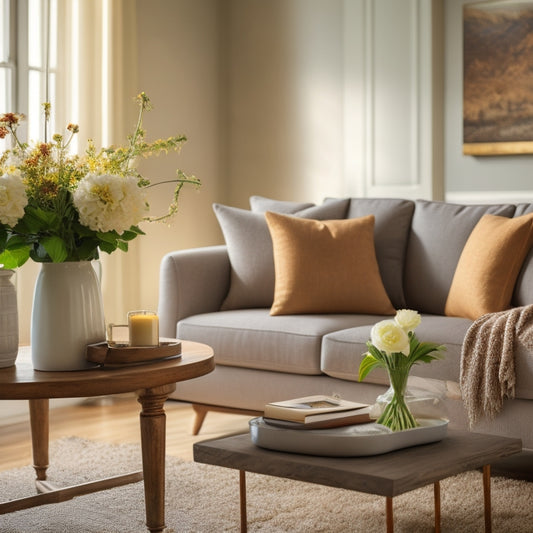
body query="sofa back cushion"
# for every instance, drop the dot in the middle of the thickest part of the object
(439, 232)
(250, 252)
(523, 292)
(392, 222)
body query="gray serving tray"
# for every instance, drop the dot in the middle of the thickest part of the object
(348, 441)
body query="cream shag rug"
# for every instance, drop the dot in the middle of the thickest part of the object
(203, 498)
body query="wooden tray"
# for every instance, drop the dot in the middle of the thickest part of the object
(107, 355)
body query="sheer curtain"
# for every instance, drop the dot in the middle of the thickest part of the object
(97, 83)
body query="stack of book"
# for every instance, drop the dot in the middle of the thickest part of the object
(316, 412)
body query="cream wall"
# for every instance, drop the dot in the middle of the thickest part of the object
(285, 90)
(180, 60)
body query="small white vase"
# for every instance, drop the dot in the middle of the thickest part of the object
(67, 314)
(9, 323)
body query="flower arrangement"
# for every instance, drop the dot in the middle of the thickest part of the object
(395, 347)
(57, 207)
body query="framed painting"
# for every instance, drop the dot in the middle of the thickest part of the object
(498, 78)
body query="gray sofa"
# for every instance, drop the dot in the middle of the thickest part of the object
(221, 296)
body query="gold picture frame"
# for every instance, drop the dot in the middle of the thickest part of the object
(498, 78)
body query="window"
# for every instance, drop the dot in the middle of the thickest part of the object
(41, 57)
(28, 51)
(7, 58)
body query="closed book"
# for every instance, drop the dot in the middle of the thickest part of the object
(348, 418)
(311, 408)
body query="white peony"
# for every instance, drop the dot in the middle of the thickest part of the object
(407, 319)
(106, 202)
(390, 338)
(13, 198)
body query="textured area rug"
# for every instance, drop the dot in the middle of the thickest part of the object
(203, 498)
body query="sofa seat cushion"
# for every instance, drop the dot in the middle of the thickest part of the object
(342, 351)
(251, 338)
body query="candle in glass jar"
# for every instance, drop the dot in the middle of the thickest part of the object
(143, 328)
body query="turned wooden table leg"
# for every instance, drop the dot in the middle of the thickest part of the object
(153, 435)
(40, 428)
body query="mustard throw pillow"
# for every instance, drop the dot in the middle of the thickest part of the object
(489, 265)
(326, 266)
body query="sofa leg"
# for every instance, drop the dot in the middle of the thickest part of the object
(201, 411)
(200, 414)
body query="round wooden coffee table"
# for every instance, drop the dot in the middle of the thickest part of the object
(151, 382)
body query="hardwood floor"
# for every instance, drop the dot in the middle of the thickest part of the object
(116, 419)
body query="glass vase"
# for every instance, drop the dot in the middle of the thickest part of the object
(396, 414)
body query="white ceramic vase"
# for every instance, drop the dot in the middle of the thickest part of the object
(67, 314)
(9, 323)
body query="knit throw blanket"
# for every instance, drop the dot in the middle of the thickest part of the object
(487, 360)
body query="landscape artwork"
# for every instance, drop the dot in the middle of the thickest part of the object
(498, 78)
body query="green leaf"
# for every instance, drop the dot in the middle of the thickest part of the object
(108, 236)
(38, 220)
(137, 230)
(14, 258)
(425, 352)
(378, 354)
(108, 247)
(87, 250)
(368, 363)
(16, 241)
(82, 231)
(130, 234)
(56, 248)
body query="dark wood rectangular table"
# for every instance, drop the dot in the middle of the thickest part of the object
(387, 475)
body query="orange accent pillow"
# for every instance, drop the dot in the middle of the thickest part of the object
(490, 262)
(326, 266)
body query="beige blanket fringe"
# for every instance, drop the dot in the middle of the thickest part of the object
(487, 360)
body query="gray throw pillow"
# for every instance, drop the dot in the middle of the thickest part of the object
(250, 251)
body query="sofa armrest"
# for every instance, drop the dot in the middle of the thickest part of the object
(191, 282)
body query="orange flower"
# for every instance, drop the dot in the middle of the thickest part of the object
(11, 119)
(48, 188)
(44, 149)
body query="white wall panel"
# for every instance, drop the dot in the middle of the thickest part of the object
(392, 98)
